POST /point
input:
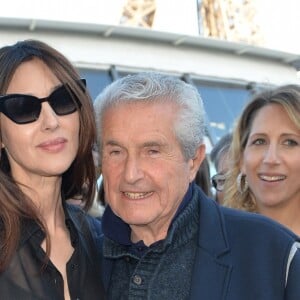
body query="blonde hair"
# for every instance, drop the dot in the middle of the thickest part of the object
(287, 96)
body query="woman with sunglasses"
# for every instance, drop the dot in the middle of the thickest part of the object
(265, 157)
(47, 247)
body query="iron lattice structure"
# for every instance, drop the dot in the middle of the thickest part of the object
(139, 13)
(232, 20)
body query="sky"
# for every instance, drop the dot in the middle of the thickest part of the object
(280, 22)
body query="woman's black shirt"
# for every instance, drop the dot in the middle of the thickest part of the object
(31, 276)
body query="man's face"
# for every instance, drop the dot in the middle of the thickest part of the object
(145, 173)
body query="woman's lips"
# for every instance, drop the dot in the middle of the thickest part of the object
(54, 146)
(272, 178)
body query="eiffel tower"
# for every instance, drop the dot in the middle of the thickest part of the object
(138, 13)
(232, 20)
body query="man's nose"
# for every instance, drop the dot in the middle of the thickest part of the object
(133, 169)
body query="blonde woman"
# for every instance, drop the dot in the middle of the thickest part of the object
(265, 157)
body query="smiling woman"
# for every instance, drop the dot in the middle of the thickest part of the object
(265, 154)
(44, 107)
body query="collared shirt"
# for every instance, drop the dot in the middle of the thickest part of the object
(30, 275)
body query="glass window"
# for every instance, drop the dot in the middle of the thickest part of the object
(96, 80)
(223, 105)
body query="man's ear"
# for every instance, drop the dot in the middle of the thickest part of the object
(196, 161)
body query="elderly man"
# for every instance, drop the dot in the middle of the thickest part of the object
(163, 238)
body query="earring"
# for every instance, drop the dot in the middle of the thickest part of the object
(242, 183)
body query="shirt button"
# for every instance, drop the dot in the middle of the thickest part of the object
(137, 279)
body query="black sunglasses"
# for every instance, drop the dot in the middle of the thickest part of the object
(23, 109)
(218, 182)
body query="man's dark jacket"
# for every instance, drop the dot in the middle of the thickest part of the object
(240, 256)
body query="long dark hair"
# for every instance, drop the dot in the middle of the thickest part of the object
(15, 205)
